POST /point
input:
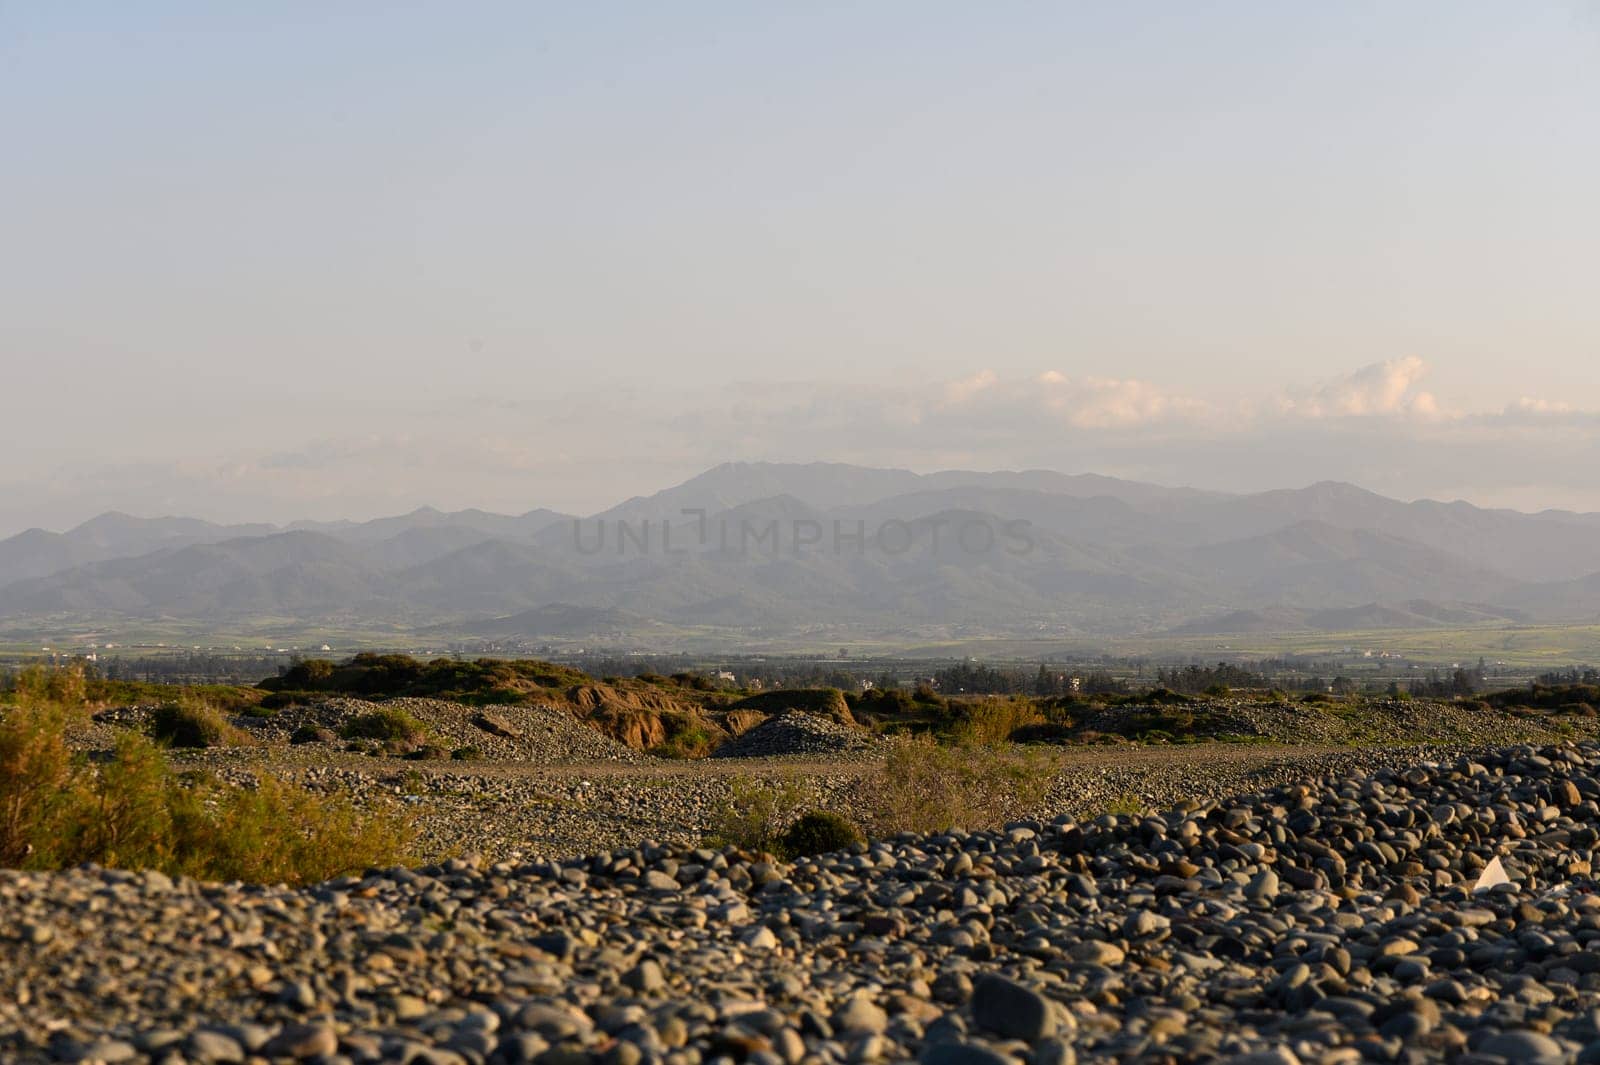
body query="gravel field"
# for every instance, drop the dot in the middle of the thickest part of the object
(501, 810)
(1327, 921)
(1272, 904)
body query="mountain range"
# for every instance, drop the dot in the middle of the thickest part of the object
(766, 549)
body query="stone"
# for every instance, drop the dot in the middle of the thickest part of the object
(1011, 1010)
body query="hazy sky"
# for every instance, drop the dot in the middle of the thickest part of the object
(283, 260)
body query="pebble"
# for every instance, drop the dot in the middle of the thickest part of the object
(1180, 934)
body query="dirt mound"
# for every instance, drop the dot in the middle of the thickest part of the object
(630, 716)
(538, 734)
(825, 702)
(796, 732)
(738, 722)
(589, 698)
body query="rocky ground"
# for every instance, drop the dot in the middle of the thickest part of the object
(540, 783)
(519, 811)
(1330, 920)
(1325, 916)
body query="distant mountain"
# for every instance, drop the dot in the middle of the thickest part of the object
(1314, 563)
(501, 526)
(772, 548)
(37, 553)
(1532, 547)
(295, 573)
(1575, 600)
(1413, 614)
(113, 535)
(557, 619)
(829, 485)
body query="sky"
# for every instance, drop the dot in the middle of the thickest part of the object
(264, 262)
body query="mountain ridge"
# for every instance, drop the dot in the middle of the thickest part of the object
(1010, 550)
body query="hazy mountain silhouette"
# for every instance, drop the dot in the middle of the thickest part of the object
(770, 547)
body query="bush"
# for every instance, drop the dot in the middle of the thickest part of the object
(135, 812)
(687, 736)
(819, 832)
(485, 680)
(466, 754)
(924, 787)
(63, 686)
(278, 833)
(755, 814)
(191, 725)
(991, 722)
(35, 767)
(386, 723)
(311, 734)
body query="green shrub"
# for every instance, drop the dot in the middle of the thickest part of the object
(687, 737)
(135, 812)
(35, 768)
(819, 832)
(1125, 805)
(924, 787)
(486, 680)
(991, 722)
(385, 723)
(61, 686)
(755, 814)
(192, 724)
(278, 833)
(466, 754)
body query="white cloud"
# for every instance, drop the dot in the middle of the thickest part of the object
(1375, 426)
(1381, 389)
(1082, 403)
(967, 388)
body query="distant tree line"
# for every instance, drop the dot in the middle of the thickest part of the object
(1459, 681)
(1193, 680)
(193, 667)
(1563, 677)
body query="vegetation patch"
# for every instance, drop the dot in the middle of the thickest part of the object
(192, 724)
(819, 832)
(926, 787)
(993, 721)
(485, 680)
(827, 701)
(135, 812)
(1559, 698)
(755, 814)
(385, 723)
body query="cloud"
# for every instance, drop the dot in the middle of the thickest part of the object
(1381, 389)
(1375, 426)
(956, 392)
(1081, 403)
(1119, 403)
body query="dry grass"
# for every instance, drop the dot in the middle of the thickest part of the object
(135, 812)
(991, 722)
(925, 787)
(386, 723)
(755, 814)
(194, 723)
